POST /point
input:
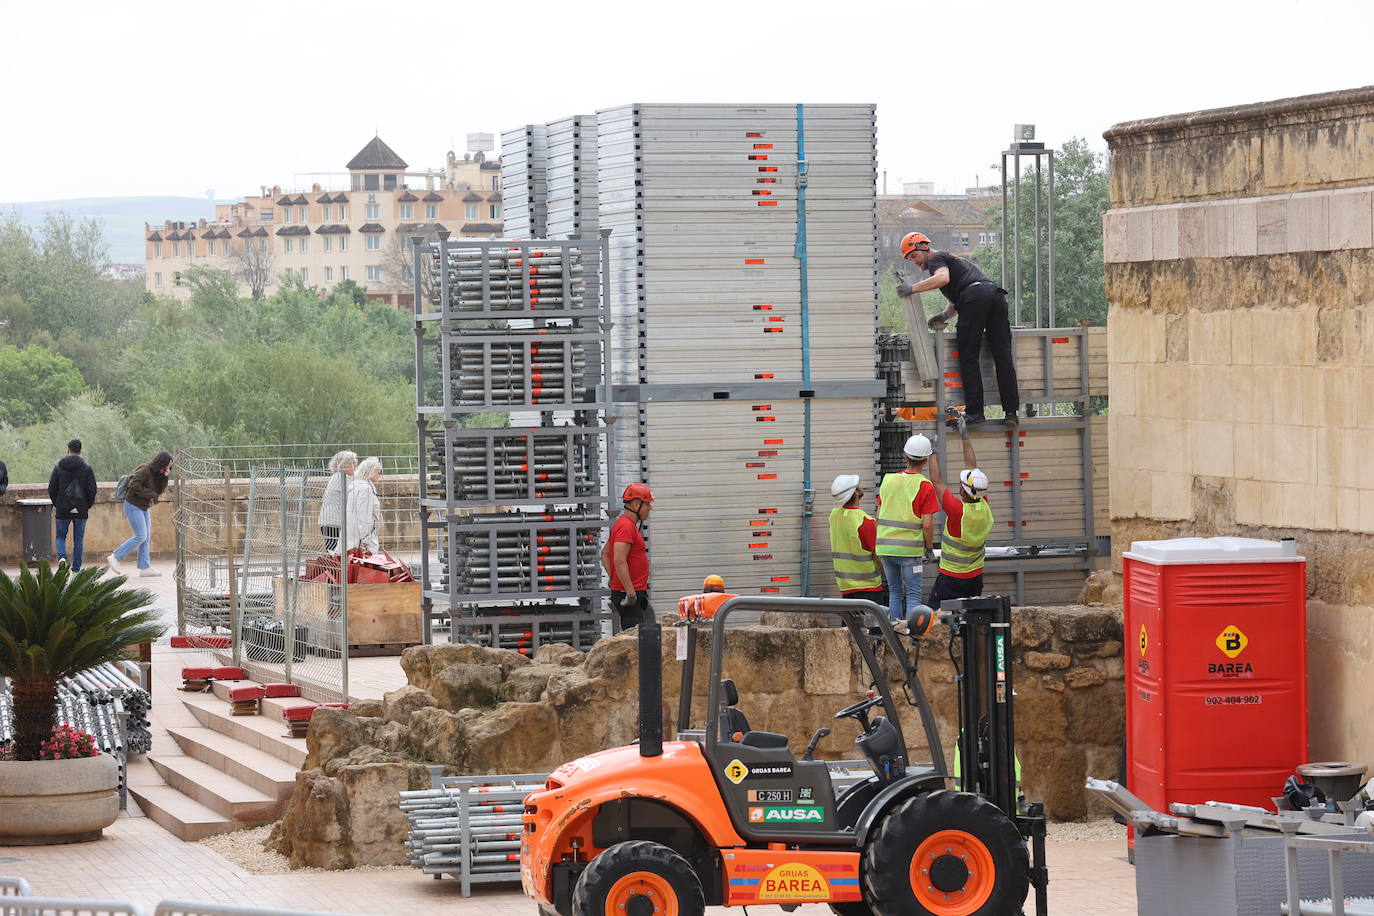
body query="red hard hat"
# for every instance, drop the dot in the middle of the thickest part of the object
(638, 491)
(912, 241)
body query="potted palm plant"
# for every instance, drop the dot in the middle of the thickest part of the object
(55, 788)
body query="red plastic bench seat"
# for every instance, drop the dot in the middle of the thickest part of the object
(246, 694)
(230, 673)
(282, 690)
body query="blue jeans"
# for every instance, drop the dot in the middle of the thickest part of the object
(142, 526)
(904, 584)
(78, 539)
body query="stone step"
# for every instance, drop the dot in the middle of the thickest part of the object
(185, 818)
(248, 764)
(262, 732)
(216, 790)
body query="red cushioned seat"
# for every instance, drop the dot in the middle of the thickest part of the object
(246, 694)
(335, 705)
(197, 674)
(298, 713)
(282, 690)
(230, 673)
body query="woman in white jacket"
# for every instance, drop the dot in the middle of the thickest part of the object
(364, 507)
(331, 504)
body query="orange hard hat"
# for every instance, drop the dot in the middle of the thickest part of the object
(713, 583)
(914, 241)
(638, 491)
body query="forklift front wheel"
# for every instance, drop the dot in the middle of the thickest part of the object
(638, 879)
(947, 854)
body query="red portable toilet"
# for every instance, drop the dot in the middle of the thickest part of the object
(1216, 669)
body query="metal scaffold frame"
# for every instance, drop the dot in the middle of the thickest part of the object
(513, 515)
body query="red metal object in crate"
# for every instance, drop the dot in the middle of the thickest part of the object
(1216, 669)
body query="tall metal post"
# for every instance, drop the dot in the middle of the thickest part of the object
(1036, 249)
(234, 629)
(421, 431)
(343, 586)
(1002, 242)
(288, 597)
(1016, 234)
(1051, 241)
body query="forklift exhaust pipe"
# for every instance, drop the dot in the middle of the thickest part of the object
(650, 688)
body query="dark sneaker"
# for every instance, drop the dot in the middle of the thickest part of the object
(973, 419)
(1013, 419)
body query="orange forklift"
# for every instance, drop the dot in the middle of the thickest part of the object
(726, 815)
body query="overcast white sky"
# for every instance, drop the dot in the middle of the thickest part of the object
(138, 98)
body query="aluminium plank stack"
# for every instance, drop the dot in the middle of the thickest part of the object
(524, 182)
(702, 201)
(571, 177)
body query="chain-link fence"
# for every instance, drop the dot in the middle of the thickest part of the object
(259, 577)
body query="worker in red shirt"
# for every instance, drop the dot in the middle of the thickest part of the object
(625, 559)
(906, 527)
(968, 521)
(853, 537)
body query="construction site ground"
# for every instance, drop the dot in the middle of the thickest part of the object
(140, 861)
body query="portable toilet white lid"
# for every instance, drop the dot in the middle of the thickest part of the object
(1214, 550)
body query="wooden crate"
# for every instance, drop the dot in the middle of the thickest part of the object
(382, 615)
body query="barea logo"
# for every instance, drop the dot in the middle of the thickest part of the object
(1232, 641)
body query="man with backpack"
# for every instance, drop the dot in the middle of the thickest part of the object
(72, 491)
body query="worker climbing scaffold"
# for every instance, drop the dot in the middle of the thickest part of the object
(981, 306)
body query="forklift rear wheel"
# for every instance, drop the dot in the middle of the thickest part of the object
(946, 854)
(638, 879)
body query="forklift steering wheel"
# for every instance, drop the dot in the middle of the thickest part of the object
(857, 708)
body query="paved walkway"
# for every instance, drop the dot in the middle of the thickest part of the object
(139, 861)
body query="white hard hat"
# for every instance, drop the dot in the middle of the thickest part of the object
(975, 481)
(844, 486)
(918, 446)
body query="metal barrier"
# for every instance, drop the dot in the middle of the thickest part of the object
(29, 905)
(186, 908)
(14, 887)
(1337, 904)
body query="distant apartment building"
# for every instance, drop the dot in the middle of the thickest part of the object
(957, 223)
(325, 235)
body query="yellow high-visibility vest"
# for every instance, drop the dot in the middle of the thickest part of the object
(855, 567)
(964, 554)
(900, 532)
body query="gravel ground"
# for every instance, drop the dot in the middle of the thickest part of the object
(1089, 831)
(244, 849)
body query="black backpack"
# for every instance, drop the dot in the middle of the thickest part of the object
(73, 496)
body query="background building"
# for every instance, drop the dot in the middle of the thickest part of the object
(954, 222)
(356, 232)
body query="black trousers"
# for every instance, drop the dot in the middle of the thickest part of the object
(948, 587)
(877, 595)
(983, 309)
(631, 615)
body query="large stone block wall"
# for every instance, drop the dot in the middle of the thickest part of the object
(1240, 277)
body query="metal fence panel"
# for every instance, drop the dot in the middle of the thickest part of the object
(29, 905)
(187, 908)
(14, 887)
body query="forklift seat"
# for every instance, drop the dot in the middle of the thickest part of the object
(732, 721)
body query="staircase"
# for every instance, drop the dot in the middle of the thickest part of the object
(212, 772)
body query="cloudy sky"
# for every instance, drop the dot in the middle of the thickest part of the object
(137, 98)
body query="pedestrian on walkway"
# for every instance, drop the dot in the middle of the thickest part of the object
(71, 487)
(853, 538)
(982, 308)
(147, 482)
(335, 496)
(906, 527)
(365, 507)
(626, 560)
(968, 522)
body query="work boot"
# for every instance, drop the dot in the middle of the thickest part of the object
(1013, 418)
(973, 419)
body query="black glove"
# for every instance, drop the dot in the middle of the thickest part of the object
(904, 288)
(935, 321)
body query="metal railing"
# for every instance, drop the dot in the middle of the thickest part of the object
(17, 899)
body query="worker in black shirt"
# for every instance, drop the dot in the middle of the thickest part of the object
(981, 306)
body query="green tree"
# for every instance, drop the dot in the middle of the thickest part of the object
(1081, 196)
(33, 381)
(58, 623)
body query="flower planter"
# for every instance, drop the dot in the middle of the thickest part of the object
(57, 801)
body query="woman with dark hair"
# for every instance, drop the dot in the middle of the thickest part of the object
(146, 484)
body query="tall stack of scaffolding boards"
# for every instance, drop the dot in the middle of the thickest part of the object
(743, 336)
(571, 178)
(1048, 475)
(524, 181)
(513, 514)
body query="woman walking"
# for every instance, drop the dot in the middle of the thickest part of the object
(335, 493)
(146, 484)
(364, 507)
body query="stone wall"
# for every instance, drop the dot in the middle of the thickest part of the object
(1240, 276)
(481, 710)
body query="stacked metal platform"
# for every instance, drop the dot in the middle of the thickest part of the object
(745, 357)
(513, 514)
(524, 181)
(572, 199)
